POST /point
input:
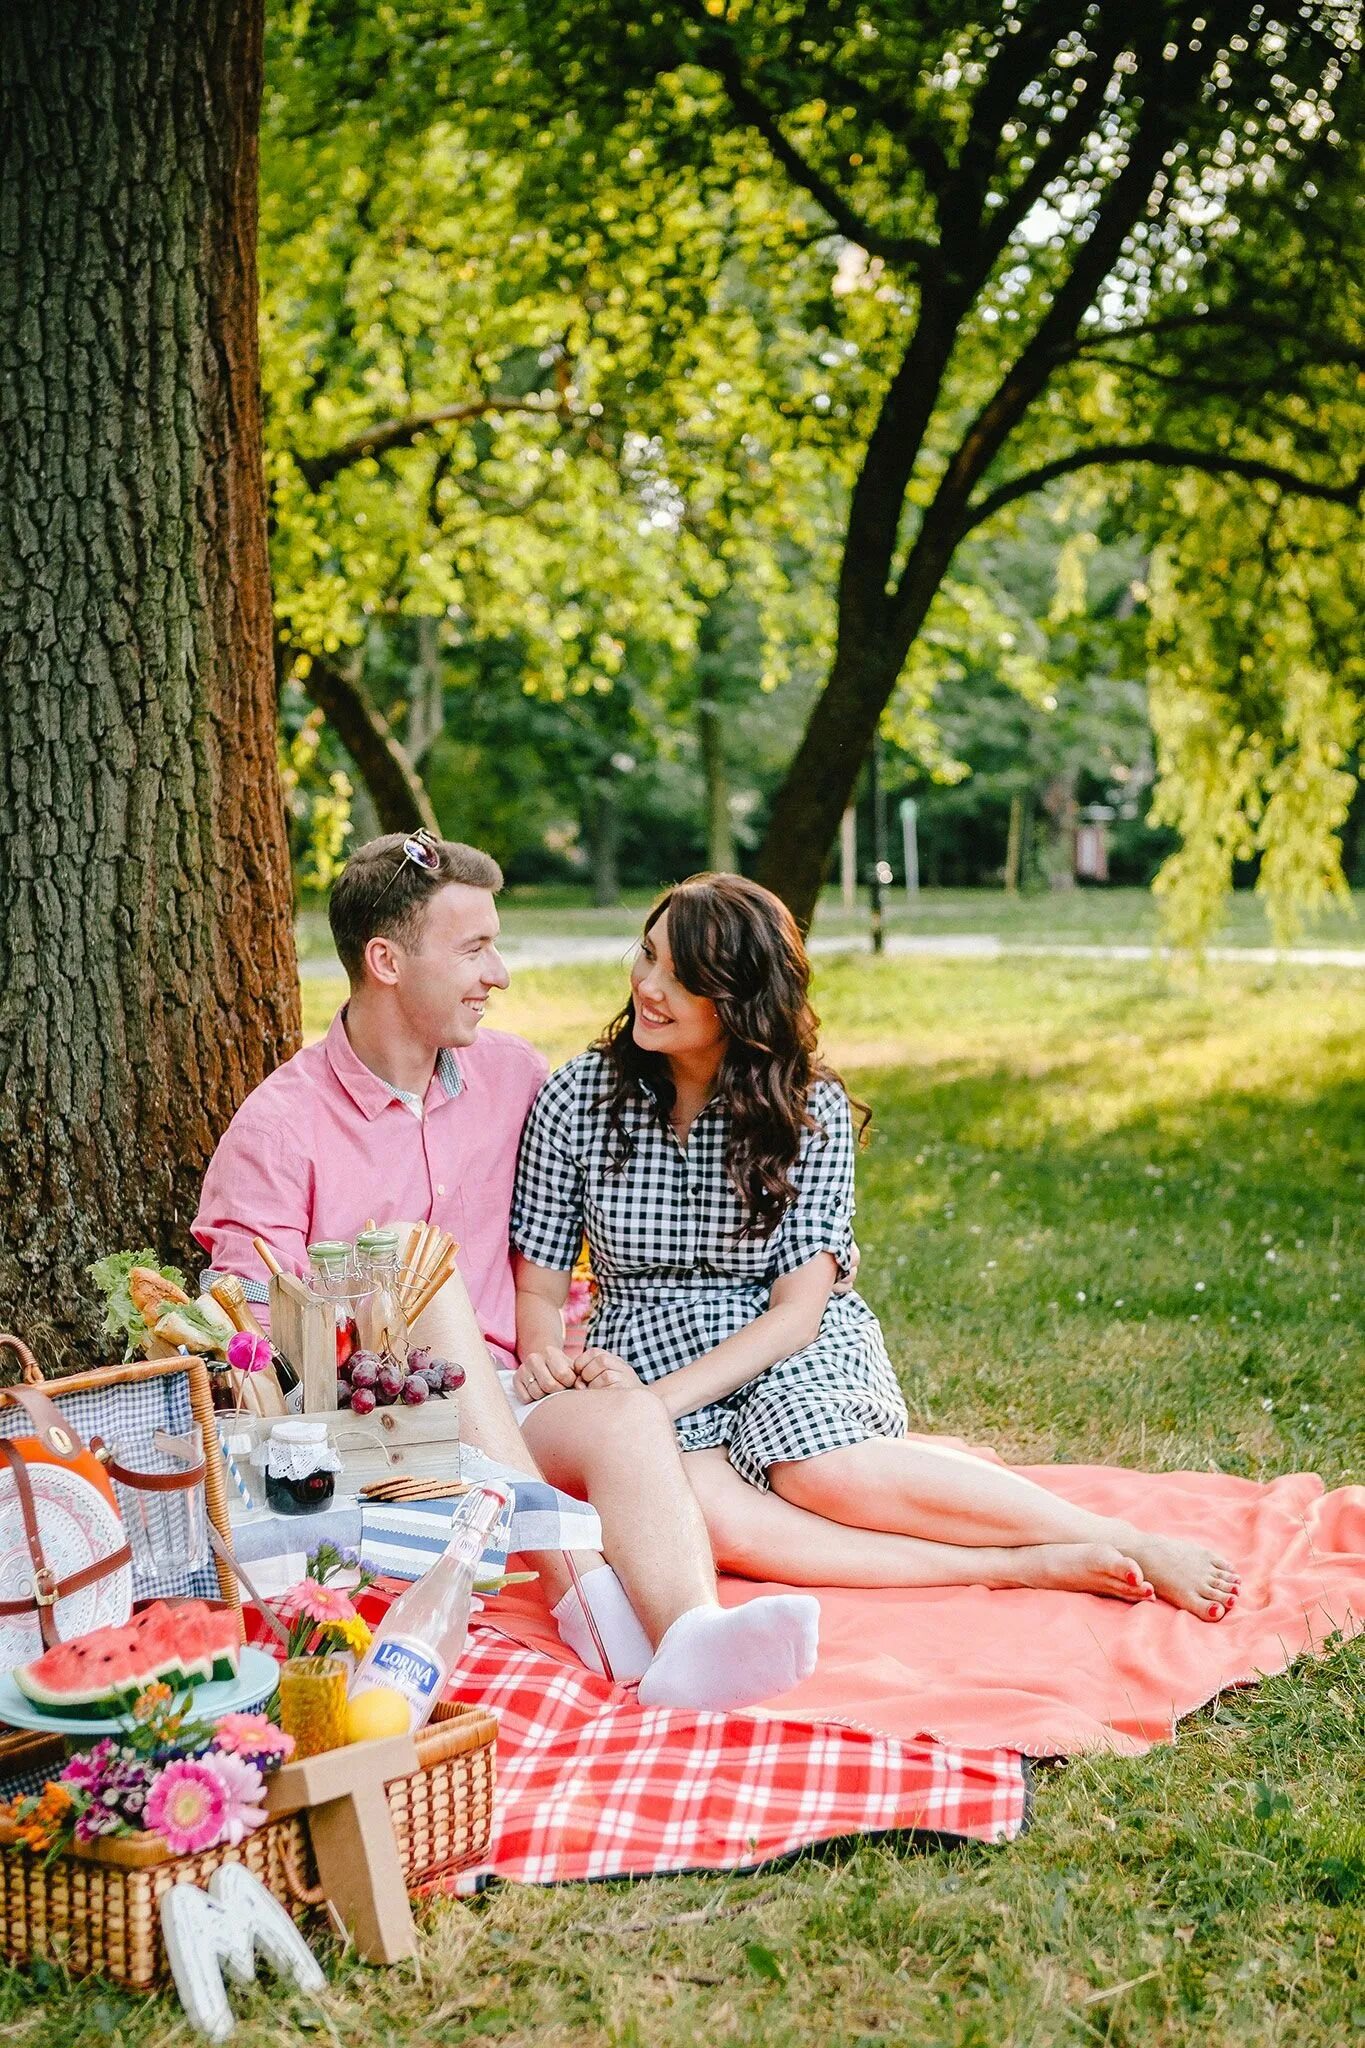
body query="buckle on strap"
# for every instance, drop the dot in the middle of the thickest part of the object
(45, 1586)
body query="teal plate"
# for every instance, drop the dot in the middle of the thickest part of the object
(257, 1677)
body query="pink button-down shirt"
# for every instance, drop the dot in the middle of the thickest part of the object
(323, 1144)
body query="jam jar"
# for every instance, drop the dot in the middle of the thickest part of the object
(300, 1464)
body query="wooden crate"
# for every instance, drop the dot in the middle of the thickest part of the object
(392, 1443)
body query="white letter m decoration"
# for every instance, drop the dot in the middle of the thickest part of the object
(210, 1935)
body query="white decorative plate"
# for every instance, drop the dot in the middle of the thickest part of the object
(78, 1526)
(257, 1677)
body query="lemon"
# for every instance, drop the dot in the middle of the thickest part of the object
(376, 1712)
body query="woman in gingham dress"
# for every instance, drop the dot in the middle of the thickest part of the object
(707, 1154)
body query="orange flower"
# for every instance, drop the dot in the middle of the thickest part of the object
(150, 1701)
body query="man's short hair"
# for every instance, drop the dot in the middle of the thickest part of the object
(383, 892)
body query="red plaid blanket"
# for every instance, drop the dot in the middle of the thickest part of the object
(590, 1784)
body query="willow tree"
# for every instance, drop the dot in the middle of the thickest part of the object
(145, 903)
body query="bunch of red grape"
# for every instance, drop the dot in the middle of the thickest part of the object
(368, 1380)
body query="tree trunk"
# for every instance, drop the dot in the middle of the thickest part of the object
(399, 793)
(145, 902)
(720, 827)
(603, 821)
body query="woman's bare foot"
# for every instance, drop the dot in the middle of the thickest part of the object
(1079, 1568)
(1186, 1573)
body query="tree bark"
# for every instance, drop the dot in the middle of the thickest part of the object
(145, 900)
(399, 793)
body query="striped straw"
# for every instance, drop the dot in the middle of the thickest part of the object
(232, 1466)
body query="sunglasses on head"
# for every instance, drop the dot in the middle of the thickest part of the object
(422, 851)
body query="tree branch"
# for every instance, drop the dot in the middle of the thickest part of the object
(386, 435)
(1166, 455)
(719, 54)
(399, 793)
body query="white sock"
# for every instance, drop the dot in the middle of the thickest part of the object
(624, 1640)
(722, 1658)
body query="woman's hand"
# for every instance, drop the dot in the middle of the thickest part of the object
(544, 1372)
(597, 1368)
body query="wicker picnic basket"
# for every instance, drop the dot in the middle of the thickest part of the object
(97, 1912)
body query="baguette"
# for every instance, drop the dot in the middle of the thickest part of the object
(152, 1295)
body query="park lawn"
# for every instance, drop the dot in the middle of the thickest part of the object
(1104, 1215)
(1117, 916)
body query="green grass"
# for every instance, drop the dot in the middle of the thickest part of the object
(1063, 1153)
(1077, 916)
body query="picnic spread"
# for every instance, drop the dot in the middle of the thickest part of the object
(253, 1672)
(256, 1655)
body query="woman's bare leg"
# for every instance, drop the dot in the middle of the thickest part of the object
(759, 1535)
(942, 1495)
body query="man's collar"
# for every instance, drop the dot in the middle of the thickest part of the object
(367, 1090)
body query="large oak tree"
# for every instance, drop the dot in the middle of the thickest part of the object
(1023, 229)
(145, 906)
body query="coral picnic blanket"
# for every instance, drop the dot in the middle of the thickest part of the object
(1061, 1674)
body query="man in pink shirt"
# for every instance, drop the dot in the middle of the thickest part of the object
(407, 1109)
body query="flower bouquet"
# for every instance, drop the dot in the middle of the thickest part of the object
(179, 1784)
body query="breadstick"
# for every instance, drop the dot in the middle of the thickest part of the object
(436, 1282)
(266, 1256)
(411, 1283)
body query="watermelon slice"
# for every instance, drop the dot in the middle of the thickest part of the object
(181, 1646)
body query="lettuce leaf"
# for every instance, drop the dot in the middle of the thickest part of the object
(121, 1317)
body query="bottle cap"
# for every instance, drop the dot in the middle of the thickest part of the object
(329, 1252)
(378, 1244)
(300, 1432)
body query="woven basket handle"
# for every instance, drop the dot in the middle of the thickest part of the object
(28, 1365)
(291, 1866)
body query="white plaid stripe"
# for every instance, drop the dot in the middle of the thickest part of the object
(591, 1785)
(675, 1279)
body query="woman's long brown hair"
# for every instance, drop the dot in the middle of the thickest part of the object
(739, 945)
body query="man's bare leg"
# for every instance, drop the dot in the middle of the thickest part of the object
(617, 1446)
(451, 1328)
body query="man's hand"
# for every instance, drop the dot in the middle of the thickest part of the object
(850, 1279)
(597, 1368)
(544, 1372)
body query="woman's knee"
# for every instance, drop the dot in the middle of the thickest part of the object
(812, 1483)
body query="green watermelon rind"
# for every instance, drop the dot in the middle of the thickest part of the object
(181, 1647)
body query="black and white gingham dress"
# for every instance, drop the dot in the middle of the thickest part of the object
(675, 1280)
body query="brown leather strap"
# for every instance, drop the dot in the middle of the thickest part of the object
(50, 1426)
(148, 1482)
(73, 1583)
(47, 1588)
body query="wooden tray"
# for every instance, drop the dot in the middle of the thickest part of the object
(392, 1443)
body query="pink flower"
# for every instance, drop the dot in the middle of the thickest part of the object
(253, 1737)
(246, 1352)
(187, 1806)
(317, 1603)
(578, 1304)
(244, 1788)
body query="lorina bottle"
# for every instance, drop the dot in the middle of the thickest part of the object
(417, 1643)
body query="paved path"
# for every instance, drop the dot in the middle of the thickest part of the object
(569, 949)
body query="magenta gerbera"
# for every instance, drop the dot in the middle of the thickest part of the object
(187, 1806)
(245, 1790)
